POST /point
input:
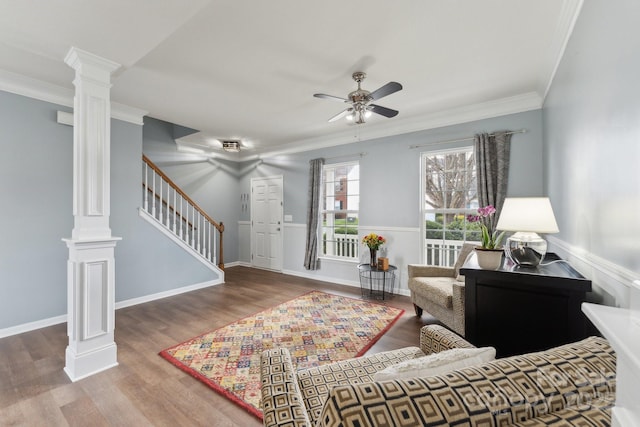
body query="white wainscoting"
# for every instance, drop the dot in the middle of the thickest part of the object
(611, 283)
(402, 248)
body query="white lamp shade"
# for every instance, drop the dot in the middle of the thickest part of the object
(530, 214)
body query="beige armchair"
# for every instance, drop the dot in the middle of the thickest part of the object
(440, 291)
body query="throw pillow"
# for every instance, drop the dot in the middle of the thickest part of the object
(437, 363)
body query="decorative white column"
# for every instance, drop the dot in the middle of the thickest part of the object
(91, 264)
(621, 327)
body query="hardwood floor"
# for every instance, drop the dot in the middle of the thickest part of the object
(146, 390)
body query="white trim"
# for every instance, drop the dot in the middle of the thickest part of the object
(392, 229)
(567, 21)
(48, 92)
(341, 282)
(44, 323)
(197, 255)
(614, 279)
(32, 326)
(65, 118)
(327, 279)
(468, 113)
(166, 294)
(234, 264)
(294, 225)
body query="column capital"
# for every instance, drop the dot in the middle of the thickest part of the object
(90, 65)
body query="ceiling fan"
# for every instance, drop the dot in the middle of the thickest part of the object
(360, 100)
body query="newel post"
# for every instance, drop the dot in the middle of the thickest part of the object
(91, 264)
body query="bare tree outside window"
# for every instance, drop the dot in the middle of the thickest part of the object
(450, 193)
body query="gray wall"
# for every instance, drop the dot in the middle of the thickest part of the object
(36, 193)
(147, 262)
(36, 213)
(213, 185)
(389, 190)
(390, 171)
(592, 135)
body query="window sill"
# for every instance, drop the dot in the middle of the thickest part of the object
(340, 260)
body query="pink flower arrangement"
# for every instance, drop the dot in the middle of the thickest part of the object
(490, 240)
(373, 241)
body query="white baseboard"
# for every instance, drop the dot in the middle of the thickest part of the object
(32, 326)
(39, 324)
(337, 281)
(166, 294)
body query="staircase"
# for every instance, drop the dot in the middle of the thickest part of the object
(170, 210)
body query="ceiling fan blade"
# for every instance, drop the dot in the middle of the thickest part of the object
(340, 115)
(388, 89)
(334, 98)
(383, 111)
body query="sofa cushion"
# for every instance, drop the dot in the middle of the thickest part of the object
(436, 289)
(315, 383)
(577, 377)
(437, 363)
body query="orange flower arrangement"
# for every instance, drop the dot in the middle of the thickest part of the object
(373, 241)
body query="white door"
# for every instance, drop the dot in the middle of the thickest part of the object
(266, 223)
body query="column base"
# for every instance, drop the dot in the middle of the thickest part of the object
(79, 366)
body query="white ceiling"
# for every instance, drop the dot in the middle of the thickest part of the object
(248, 69)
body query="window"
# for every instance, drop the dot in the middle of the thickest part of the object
(341, 201)
(449, 192)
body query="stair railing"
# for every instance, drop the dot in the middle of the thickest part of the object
(172, 208)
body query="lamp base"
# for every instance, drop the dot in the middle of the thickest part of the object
(526, 249)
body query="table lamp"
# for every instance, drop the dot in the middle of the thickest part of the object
(527, 216)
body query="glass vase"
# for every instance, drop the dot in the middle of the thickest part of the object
(373, 261)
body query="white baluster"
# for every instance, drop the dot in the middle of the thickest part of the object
(205, 238)
(181, 216)
(209, 235)
(160, 199)
(175, 209)
(146, 187)
(187, 229)
(193, 226)
(153, 194)
(168, 213)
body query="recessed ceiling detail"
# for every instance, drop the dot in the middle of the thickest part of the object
(258, 83)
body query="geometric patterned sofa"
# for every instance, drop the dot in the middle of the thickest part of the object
(573, 384)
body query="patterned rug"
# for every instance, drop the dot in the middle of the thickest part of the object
(317, 328)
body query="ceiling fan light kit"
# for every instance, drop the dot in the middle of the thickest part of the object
(360, 100)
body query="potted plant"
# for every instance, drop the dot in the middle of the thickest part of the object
(490, 253)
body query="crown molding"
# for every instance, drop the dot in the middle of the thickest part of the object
(562, 33)
(469, 113)
(48, 92)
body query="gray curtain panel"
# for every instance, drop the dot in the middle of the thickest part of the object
(313, 214)
(492, 167)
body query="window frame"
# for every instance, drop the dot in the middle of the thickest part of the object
(349, 248)
(448, 251)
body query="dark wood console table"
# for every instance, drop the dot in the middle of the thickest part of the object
(519, 310)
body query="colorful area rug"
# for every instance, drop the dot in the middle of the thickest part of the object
(317, 328)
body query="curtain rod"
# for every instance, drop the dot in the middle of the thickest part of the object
(471, 138)
(361, 154)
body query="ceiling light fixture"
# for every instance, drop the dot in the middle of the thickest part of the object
(231, 146)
